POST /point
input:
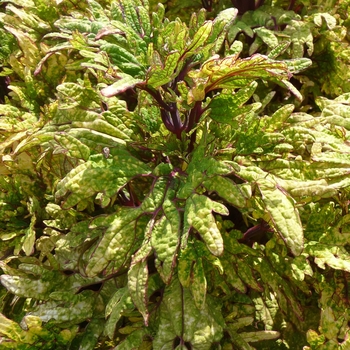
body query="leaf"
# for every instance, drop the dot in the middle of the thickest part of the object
(132, 341)
(121, 230)
(284, 216)
(165, 239)
(92, 333)
(118, 303)
(232, 72)
(124, 83)
(300, 34)
(199, 284)
(198, 214)
(335, 257)
(187, 256)
(96, 176)
(138, 280)
(181, 319)
(78, 309)
(201, 36)
(284, 294)
(160, 75)
(235, 194)
(29, 240)
(231, 275)
(246, 274)
(224, 107)
(27, 45)
(258, 336)
(276, 121)
(13, 331)
(267, 36)
(28, 288)
(74, 147)
(297, 65)
(238, 341)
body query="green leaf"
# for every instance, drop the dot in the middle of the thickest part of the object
(121, 230)
(232, 277)
(335, 257)
(132, 341)
(267, 36)
(74, 147)
(92, 334)
(99, 174)
(119, 302)
(77, 309)
(232, 72)
(224, 107)
(13, 331)
(201, 36)
(165, 239)
(29, 239)
(185, 264)
(124, 83)
(300, 33)
(199, 284)
(161, 75)
(25, 287)
(238, 341)
(246, 275)
(138, 280)
(253, 337)
(297, 65)
(235, 194)
(28, 47)
(198, 214)
(284, 216)
(181, 318)
(279, 117)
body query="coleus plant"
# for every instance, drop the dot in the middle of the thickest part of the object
(163, 189)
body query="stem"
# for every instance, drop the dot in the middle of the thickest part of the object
(194, 115)
(193, 119)
(176, 121)
(167, 120)
(156, 95)
(291, 5)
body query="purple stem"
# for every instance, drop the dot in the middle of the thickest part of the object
(193, 119)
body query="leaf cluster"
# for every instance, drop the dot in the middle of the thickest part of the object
(173, 185)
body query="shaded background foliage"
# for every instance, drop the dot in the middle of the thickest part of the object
(145, 205)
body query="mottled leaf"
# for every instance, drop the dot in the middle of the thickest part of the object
(198, 214)
(284, 216)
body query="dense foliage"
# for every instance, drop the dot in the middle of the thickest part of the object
(174, 177)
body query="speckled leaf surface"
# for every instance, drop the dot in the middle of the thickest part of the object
(198, 214)
(174, 180)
